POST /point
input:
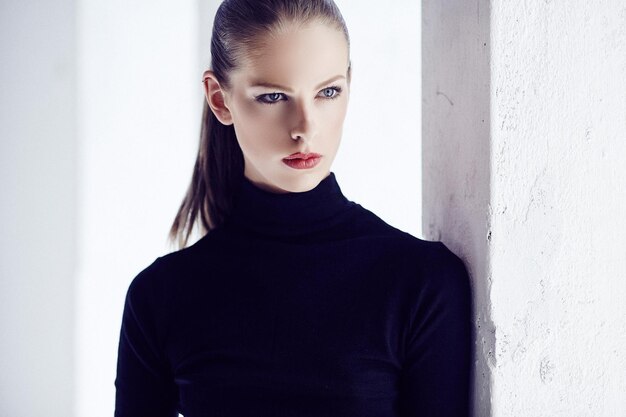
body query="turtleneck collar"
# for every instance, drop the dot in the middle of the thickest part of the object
(288, 214)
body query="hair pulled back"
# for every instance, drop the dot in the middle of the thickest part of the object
(219, 166)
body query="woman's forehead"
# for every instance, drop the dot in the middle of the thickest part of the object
(314, 52)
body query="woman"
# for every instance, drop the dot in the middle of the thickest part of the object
(296, 301)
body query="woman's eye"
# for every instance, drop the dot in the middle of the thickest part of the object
(331, 92)
(270, 98)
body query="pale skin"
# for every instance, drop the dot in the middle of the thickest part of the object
(308, 69)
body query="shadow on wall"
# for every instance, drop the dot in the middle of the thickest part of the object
(456, 174)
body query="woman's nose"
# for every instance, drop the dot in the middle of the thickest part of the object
(305, 125)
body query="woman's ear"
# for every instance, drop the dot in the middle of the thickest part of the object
(216, 98)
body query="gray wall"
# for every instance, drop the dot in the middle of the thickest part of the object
(38, 186)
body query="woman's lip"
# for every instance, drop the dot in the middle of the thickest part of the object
(305, 156)
(301, 163)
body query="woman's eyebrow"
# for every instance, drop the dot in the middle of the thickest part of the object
(261, 83)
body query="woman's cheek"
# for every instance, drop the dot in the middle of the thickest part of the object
(259, 113)
(250, 119)
(334, 116)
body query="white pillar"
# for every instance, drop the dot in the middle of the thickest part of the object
(524, 146)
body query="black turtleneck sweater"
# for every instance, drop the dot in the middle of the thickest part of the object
(299, 304)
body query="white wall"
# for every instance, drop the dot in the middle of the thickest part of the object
(139, 98)
(379, 161)
(525, 180)
(37, 207)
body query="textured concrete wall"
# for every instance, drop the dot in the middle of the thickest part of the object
(558, 242)
(545, 231)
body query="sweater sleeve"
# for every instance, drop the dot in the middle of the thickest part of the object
(144, 383)
(435, 380)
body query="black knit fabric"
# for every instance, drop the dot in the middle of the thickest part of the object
(299, 304)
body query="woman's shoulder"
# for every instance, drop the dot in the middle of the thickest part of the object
(370, 224)
(429, 257)
(157, 274)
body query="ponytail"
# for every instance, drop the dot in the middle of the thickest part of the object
(218, 169)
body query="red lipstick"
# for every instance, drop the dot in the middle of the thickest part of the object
(301, 160)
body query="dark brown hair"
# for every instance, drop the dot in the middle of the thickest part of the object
(219, 166)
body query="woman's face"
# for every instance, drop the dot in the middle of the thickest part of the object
(294, 85)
